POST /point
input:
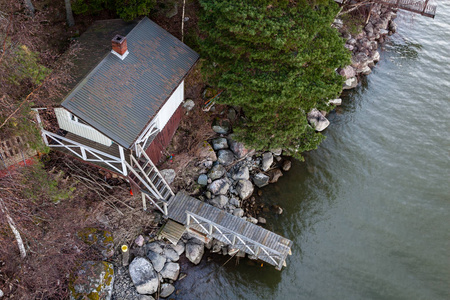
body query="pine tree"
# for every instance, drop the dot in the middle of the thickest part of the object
(277, 61)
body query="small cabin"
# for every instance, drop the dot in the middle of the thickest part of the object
(129, 84)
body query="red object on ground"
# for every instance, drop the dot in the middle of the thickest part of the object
(28, 162)
(131, 192)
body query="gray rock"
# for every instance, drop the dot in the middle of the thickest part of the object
(188, 104)
(93, 280)
(238, 148)
(276, 151)
(146, 297)
(202, 179)
(231, 114)
(168, 175)
(219, 187)
(235, 202)
(244, 188)
(337, 101)
(261, 220)
(317, 120)
(166, 290)
(286, 166)
(225, 157)
(221, 126)
(144, 277)
(158, 260)
(347, 72)
(261, 180)
(219, 201)
(219, 143)
(376, 56)
(351, 41)
(194, 252)
(216, 172)
(350, 83)
(1, 293)
(241, 173)
(155, 247)
(366, 70)
(171, 254)
(170, 271)
(252, 220)
(267, 160)
(238, 212)
(208, 195)
(179, 247)
(205, 151)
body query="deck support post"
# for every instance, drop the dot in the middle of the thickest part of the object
(144, 201)
(122, 159)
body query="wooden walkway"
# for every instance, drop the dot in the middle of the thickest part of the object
(423, 7)
(212, 222)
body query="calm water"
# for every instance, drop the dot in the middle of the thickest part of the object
(369, 211)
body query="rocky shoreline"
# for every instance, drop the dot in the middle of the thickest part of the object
(230, 177)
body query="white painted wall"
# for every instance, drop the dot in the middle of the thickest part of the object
(65, 122)
(170, 107)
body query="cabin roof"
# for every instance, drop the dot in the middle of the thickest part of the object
(120, 97)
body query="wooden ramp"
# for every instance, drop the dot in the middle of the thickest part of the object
(212, 222)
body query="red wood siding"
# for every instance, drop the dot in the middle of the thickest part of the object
(156, 149)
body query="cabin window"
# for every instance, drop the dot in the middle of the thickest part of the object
(78, 120)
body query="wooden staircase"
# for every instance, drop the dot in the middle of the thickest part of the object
(151, 183)
(172, 231)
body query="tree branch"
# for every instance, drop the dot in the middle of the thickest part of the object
(13, 227)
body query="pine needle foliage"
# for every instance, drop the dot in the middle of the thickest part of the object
(276, 60)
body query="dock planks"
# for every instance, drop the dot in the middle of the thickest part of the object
(255, 237)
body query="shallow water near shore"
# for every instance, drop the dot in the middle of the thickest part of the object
(369, 211)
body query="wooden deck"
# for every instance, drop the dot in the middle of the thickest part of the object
(75, 151)
(423, 7)
(215, 223)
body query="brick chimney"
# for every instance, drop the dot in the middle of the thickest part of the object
(119, 46)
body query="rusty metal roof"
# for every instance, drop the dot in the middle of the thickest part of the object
(120, 97)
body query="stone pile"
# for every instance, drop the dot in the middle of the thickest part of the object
(364, 45)
(236, 172)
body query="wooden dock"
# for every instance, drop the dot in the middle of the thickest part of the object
(212, 222)
(422, 7)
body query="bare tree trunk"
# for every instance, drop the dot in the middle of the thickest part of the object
(69, 13)
(30, 7)
(14, 229)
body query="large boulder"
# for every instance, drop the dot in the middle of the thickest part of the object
(238, 212)
(188, 104)
(317, 120)
(93, 280)
(241, 173)
(267, 160)
(205, 151)
(219, 187)
(347, 72)
(350, 83)
(221, 126)
(168, 175)
(144, 277)
(216, 172)
(171, 254)
(219, 143)
(219, 201)
(261, 180)
(194, 251)
(166, 290)
(238, 148)
(101, 240)
(244, 188)
(274, 175)
(170, 271)
(158, 260)
(225, 157)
